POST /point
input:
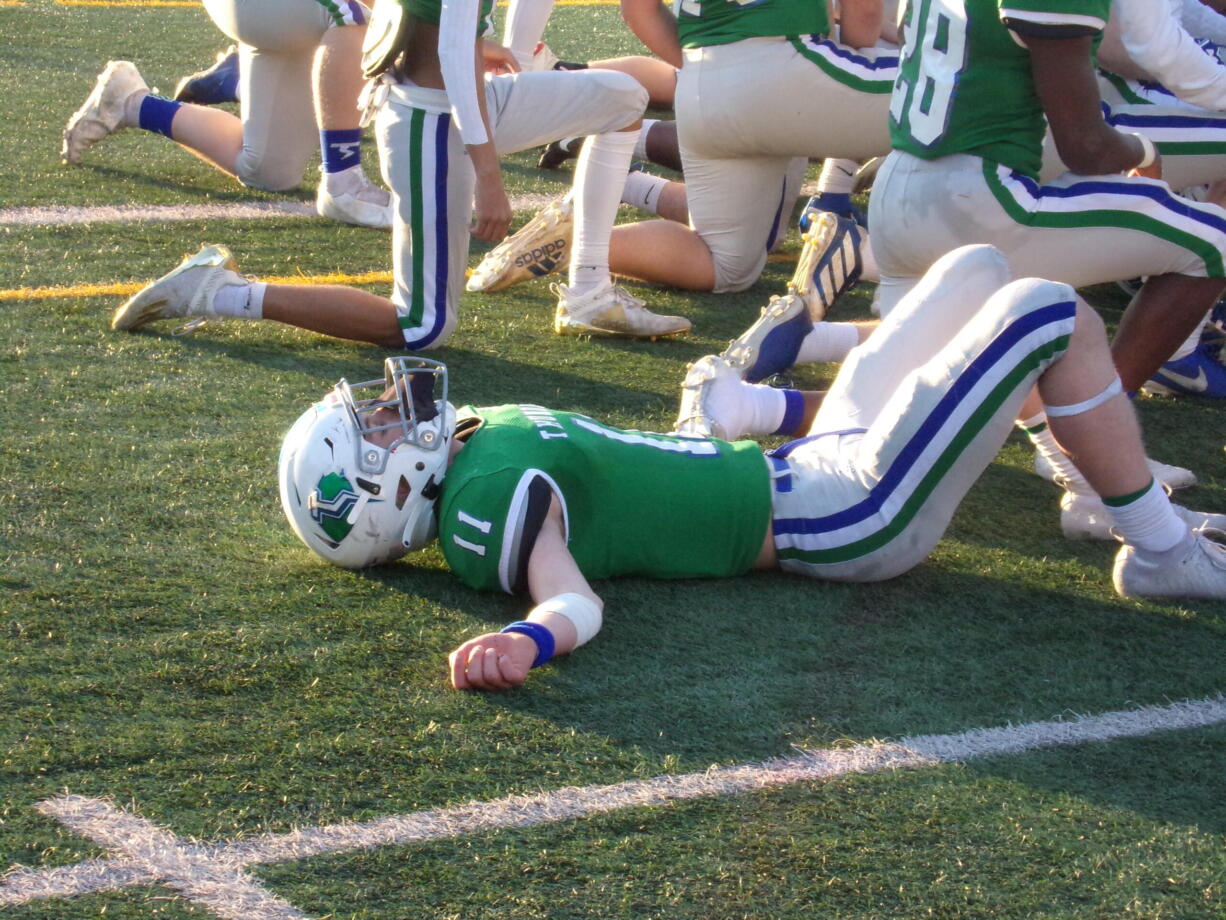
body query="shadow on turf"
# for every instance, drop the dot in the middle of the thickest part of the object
(746, 668)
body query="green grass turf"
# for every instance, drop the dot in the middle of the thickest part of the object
(167, 643)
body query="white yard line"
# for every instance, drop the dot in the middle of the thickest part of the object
(214, 876)
(64, 215)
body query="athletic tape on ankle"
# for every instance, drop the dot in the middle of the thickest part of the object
(583, 613)
(1114, 388)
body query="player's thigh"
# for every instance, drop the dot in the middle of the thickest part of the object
(532, 109)
(278, 115)
(950, 294)
(935, 434)
(274, 25)
(736, 207)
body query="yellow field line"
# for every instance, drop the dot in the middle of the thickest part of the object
(127, 288)
(188, 3)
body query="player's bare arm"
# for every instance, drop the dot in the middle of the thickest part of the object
(564, 602)
(655, 26)
(860, 22)
(1068, 90)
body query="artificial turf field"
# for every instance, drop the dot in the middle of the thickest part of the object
(172, 655)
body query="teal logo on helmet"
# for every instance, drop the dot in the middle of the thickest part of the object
(331, 503)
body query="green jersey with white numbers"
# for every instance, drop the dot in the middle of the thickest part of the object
(634, 503)
(720, 22)
(964, 83)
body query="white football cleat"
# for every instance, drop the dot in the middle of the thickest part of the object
(613, 311)
(1085, 517)
(188, 290)
(535, 250)
(1195, 567)
(1169, 476)
(102, 113)
(351, 198)
(708, 401)
(829, 262)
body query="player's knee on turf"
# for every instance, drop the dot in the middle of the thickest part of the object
(258, 171)
(736, 272)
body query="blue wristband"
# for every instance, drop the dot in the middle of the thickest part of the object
(540, 635)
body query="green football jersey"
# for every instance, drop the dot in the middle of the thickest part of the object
(720, 22)
(634, 503)
(964, 82)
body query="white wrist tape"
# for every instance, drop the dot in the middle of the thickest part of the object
(1150, 152)
(1113, 388)
(583, 613)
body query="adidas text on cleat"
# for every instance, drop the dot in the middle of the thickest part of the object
(1200, 373)
(829, 262)
(213, 85)
(538, 248)
(1170, 476)
(351, 198)
(612, 311)
(1085, 517)
(187, 291)
(697, 416)
(771, 344)
(102, 113)
(1194, 567)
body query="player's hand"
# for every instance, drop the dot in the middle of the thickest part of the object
(494, 661)
(491, 212)
(1152, 171)
(498, 59)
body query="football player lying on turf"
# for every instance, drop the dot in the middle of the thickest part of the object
(533, 500)
(301, 68)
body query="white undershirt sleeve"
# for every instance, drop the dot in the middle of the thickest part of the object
(457, 31)
(1154, 38)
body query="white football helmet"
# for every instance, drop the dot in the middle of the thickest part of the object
(357, 503)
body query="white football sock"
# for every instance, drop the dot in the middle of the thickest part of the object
(837, 176)
(642, 190)
(242, 301)
(1045, 443)
(1148, 521)
(828, 342)
(599, 179)
(640, 146)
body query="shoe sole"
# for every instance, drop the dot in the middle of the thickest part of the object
(542, 259)
(579, 329)
(145, 305)
(824, 251)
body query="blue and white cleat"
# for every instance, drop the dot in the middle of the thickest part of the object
(837, 203)
(213, 85)
(188, 290)
(771, 344)
(829, 263)
(1201, 373)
